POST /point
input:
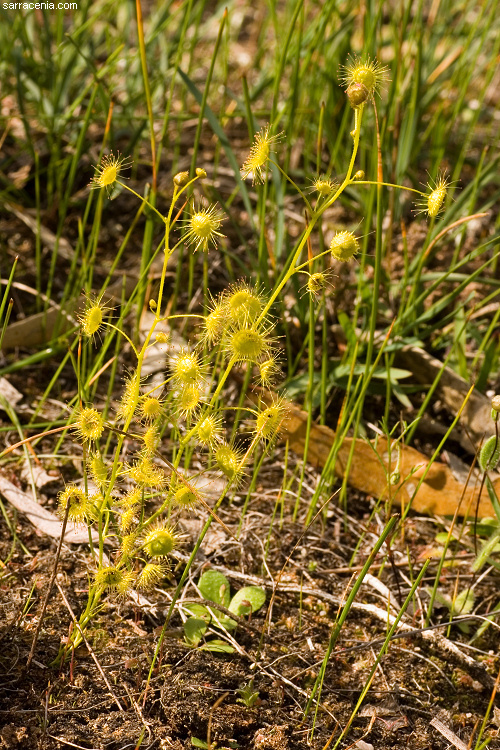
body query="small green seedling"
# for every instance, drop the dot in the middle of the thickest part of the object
(248, 696)
(215, 588)
(195, 742)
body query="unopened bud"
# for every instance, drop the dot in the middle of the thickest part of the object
(357, 93)
(162, 337)
(181, 179)
(495, 403)
(360, 175)
(200, 173)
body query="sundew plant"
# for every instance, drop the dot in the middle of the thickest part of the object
(133, 501)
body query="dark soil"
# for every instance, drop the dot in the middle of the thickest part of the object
(198, 694)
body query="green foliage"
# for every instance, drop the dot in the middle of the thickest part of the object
(247, 600)
(214, 587)
(489, 455)
(194, 630)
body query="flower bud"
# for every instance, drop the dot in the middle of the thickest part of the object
(357, 93)
(181, 179)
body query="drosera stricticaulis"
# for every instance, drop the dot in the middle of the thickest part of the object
(139, 500)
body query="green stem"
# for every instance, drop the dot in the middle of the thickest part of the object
(316, 215)
(287, 177)
(141, 198)
(388, 184)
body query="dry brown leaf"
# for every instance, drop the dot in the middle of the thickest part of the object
(475, 420)
(440, 493)
(8, 393)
